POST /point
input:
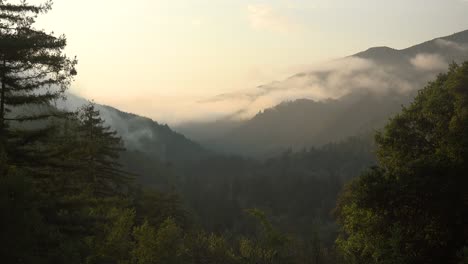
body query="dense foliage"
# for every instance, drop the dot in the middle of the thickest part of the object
(67, 194)
(413, 208)
(297, 190)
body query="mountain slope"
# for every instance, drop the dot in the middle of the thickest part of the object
(303, 123)
(141, 134)
(354, 95)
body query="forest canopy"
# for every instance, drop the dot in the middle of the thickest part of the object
(413, 207)
(70, 192)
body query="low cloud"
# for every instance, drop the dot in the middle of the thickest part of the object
(129, 129)
(429, 62)
(265, 17)
(328, 81)
(331, 80)
(442, 43)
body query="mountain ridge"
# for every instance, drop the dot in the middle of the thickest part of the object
(306, 122)
(142, 134)
(383, 80)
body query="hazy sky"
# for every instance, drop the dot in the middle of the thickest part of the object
(157, 57)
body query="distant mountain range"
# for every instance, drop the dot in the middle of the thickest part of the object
(352, 96)
(347, 97)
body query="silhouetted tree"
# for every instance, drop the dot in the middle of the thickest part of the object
(99, 150)
(33, 72)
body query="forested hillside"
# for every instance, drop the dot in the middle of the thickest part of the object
(143, 135)
(346, 97)
(305, 123)
(96, 185)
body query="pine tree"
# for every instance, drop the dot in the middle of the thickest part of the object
(100, 149)
(33, 73)
(86, 187)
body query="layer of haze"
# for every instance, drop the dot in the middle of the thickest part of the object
(159, 58)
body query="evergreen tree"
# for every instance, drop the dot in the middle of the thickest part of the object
(94, 196)
(33, 72)
(99, 150)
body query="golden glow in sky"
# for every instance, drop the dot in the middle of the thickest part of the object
(159, 57)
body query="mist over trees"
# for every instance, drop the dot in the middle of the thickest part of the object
(328, 103)
(70, 191)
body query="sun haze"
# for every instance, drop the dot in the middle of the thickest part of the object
(159, 58)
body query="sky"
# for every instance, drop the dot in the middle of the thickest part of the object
(158, 58)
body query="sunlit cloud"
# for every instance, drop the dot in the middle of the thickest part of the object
(429, 62)
(330, 80)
